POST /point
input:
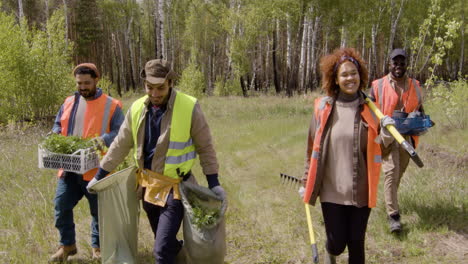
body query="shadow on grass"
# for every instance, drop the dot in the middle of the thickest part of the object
(432, 216)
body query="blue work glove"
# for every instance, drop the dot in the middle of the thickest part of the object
(90, 184)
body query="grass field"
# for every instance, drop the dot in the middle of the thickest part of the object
(256, 138)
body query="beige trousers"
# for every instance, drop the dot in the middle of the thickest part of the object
(394, 163)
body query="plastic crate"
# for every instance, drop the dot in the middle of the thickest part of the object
(79, 162)
(413, 126)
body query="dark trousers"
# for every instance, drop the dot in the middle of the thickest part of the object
(70, 189)
(346, 225)
(165, 223)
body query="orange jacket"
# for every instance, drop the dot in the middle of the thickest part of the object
(386, 98)
(323, 108)
(90, 121)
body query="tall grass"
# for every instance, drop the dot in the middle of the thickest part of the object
(256, 138)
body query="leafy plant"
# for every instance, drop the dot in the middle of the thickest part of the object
(192, 80)
(450, 101)
(65, 145)
(203, 216)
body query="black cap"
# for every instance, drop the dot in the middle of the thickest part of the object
(397, 52)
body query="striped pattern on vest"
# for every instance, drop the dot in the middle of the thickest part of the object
(181, 152)
(88, 119)
(387, 98)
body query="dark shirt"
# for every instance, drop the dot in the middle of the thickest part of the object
(152, 132)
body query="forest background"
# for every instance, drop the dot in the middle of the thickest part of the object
(218, 47)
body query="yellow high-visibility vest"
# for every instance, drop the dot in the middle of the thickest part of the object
(181, 152)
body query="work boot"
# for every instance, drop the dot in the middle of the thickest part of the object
(96, 254)
(63, 252)
(329, 258)
(394, 223)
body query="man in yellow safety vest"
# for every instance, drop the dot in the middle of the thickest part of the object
(167, 129)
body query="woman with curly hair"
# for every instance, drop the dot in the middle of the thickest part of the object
(343, 156)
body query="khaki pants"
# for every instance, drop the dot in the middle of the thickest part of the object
(394, 163)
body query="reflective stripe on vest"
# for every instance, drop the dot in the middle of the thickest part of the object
(94, 116)
(181, 150)
(373, 158)
(387, 97)
(91, 119)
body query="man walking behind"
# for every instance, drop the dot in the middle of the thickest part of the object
(89, 113)
(166, 129)
(396, 94)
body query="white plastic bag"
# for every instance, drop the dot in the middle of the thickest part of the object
(118, 208)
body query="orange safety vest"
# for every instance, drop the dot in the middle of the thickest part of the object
(94, 119)
(386, 97)
(322, 113)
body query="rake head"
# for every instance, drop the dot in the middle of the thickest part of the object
(290, 180)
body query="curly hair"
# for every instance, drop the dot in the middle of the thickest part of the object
(329, 65)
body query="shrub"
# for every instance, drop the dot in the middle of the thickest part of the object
(192, 81)
(449, 101)
(35, 68)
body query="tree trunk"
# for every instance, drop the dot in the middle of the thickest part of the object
(373, 63)
(243, 86)
(312, 50)
(162, 37)
(66, 22)
(122, 68)
(303, 58)
(49, 42)
(20, 10)
(275, 66)
(157, 30)
(393, 28)
(140, 51)
(462, 45)
(129, 40)
(373, 57)
(289, 73)
(46, 3)
(267, 63)
(325, 46)
(114, 49)
(363, 48)
(343, 41)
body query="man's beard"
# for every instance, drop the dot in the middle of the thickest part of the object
(87, 94)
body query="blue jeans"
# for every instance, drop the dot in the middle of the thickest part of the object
(70, 189)
(165, 223)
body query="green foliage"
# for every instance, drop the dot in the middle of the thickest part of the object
(435, 39)
(65, 144)
(228, 87)
(192, 81)
(450, 102)
(203, 216)
(108, 86)
(34, 68)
